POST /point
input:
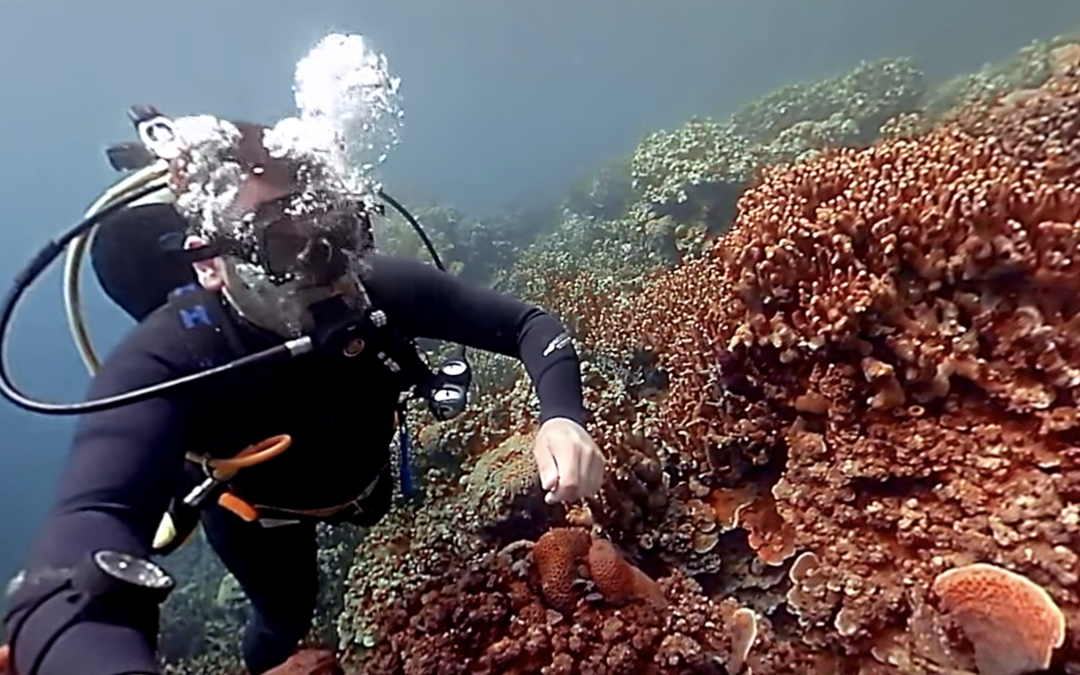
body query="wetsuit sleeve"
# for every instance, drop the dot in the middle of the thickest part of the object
(428, 303)
(121, 469)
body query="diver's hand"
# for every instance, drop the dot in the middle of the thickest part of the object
(570, 463)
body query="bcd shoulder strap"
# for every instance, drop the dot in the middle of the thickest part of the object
(214, 337)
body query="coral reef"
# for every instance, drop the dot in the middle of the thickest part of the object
(758, 402)
(498, 497)
(831, 350)
(703, 160)
(887, 344)
(498, 614)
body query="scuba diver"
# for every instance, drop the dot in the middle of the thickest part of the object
(257, 455)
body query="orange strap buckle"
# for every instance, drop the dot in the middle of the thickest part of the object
(225, 468)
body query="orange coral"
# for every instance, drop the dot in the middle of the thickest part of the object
(619, 581)
(559, 550)
(556, 554)
(754, 510)
(727, 504)
(1013, 623)
(767, 533)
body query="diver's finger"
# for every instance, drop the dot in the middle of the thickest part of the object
(593, 476)
(601, 468)
(570, 467)
(546, 466)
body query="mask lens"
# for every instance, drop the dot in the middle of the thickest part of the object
(313, 247)
(287, 246)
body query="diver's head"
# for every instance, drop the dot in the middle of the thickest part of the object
(284, 238)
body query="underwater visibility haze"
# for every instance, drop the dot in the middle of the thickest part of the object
(819, 261)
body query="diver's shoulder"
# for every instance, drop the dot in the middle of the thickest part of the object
(391, 279)
(160, 336)
(390, 271)
(146, 354)
(382, 264)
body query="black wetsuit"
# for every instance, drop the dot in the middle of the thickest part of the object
(126, 463)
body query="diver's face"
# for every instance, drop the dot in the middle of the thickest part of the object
(281, 307)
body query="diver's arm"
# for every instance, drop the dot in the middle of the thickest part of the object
(113, 490)
(426, 302)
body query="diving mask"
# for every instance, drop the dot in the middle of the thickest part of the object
(299, 239)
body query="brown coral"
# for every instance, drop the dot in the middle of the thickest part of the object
(1013, 623)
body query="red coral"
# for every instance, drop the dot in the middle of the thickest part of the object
(559, 551)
